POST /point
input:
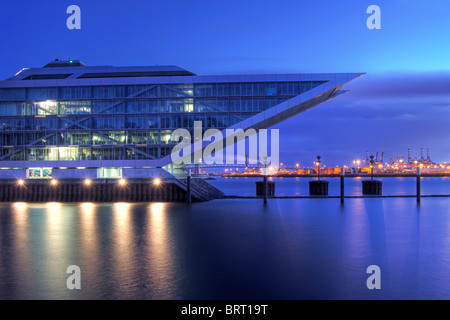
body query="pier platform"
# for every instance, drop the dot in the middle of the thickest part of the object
(106, 190)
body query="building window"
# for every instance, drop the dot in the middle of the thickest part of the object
(109, 173)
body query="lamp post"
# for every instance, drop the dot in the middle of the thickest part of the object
(372, 187)
(265, 179)
(371, 166)
(318, 167)
(318, 187)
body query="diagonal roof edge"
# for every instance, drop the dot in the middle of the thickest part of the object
(281, 112)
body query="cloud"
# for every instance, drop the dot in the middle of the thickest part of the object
(402, 85)
(391, 112)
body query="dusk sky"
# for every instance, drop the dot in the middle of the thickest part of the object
(402, 102)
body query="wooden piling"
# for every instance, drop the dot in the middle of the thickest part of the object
(418, 186)
(189, 198)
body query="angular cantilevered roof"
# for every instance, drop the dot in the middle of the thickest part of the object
(64, 74)
(283, 111)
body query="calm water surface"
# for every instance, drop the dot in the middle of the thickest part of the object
(353, 186)
(227, 249)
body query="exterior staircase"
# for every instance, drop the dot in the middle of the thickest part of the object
(201, 190)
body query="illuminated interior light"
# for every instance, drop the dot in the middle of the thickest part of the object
(21, 182)
(88, 182)
(157, 181)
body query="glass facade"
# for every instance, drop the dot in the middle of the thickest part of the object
(125, 122)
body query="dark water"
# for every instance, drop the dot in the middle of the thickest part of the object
(300, 186)
(227, 249)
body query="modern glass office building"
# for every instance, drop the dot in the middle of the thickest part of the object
(104, 121)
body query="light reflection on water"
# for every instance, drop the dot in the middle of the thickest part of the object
(160, 257)
(122, 242)
(227, 249)
(89, 246)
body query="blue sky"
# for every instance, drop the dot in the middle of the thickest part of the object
(402, 102)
